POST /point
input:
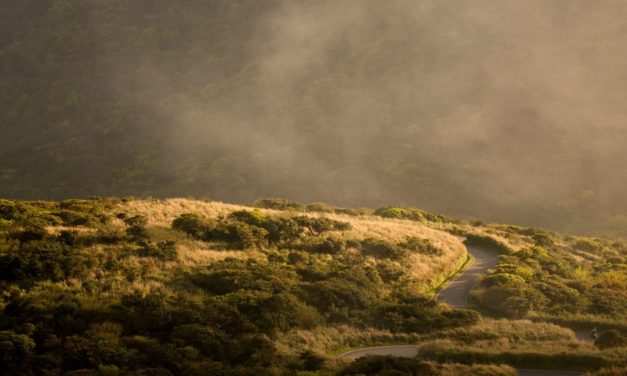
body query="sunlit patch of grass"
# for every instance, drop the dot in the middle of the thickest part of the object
(426, 270)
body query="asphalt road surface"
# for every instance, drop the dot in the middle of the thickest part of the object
(455, 293)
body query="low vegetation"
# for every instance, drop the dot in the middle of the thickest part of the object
(123, 286)
(109, 286)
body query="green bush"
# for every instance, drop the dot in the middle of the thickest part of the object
(40, 260)
(611, 338)
(192, 224)
(319, 225)
(382, 249)
(278, 204)
(423, 246)
(399, 213)
(487, 242)
(502, 279)
(238, 234)
(330, 245)
(136, 230)
(387, 366)
(164, 251)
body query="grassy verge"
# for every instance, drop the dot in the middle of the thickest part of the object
(578, 361)
(581, 321)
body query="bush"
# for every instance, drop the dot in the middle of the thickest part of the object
(400, 213)
(319, 207)
(164, 251)
(422, 246)
(238, 234)
(14, 348)
(387, 366)
(136, 230)
(311, 361)
(330, 245)
(487, 242)
(502, 279)
(611, 338)
(192, 224)
(410, 214)
(382, 249)
(319, 225)
(278, 204)
(253, 218)
(40, 260)
(389, 271)
(281, 230)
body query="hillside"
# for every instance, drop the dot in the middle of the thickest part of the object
(510, 111)
(181, 286)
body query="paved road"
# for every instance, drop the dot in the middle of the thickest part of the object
(405, 351)
(456, 292)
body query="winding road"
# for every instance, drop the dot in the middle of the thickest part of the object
(455, 294)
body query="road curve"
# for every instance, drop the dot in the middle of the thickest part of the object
(404, 351)
(455, 293)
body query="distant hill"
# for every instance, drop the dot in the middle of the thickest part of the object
(508, 112)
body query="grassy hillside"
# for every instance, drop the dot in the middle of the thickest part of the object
(180, 286)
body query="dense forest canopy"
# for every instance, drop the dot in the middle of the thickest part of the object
(505, 110)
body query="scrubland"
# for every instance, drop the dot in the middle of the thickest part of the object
(182, 286)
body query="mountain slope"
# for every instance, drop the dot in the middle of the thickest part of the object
(510, 112)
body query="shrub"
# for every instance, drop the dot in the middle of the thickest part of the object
(311, 361)
(212, 342)
(422, 246)
(238, 234)
(399, 213)
(30, 234)
(278, 204)
(165, 251)
(192, 224)
(283, 312)
(382, 249)
(253, 218)
(331, 245)
(501, 279)
(318, 225)
(14, 348)
(611, 338)
(281, 230)
(319, 207)
(487, 242)
(385, 365)
(40, 260)
(136, 230)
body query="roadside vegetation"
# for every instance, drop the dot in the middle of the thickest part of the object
(179, 286)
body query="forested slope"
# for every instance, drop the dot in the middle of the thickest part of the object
(427, 105)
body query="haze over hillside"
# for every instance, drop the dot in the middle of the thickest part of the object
(505, 110)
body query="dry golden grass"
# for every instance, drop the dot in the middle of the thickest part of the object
(336, 339)
(426, 270)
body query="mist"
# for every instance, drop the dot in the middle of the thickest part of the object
(503, 110)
